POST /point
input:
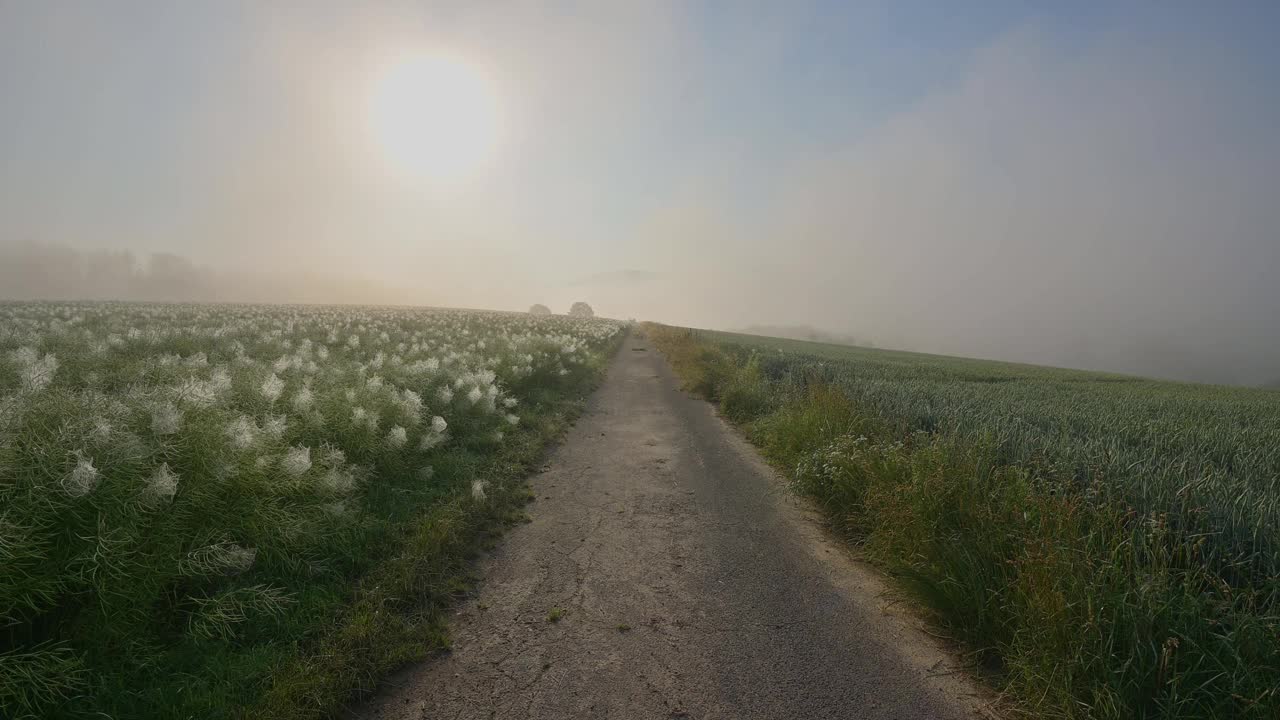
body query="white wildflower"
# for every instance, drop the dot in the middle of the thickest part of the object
(477, 490)
(438, 425)
(166, 419)
(297, 461)
(162, 486)
(272, 387)
(445, 394)
(303, 399)
(509, 402)
(82, 479)
(220, 380)
(275, 426)
(397, 437)
(242, 432)
(35, 374)
(512, 419)
(338, 481)
(411, 406)
(474, 395)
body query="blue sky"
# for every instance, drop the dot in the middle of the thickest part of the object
(910, 171)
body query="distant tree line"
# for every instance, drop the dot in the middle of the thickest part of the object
(55, 272)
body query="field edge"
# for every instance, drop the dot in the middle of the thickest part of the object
(399, 609)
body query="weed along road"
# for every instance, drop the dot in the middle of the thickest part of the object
(666, 572)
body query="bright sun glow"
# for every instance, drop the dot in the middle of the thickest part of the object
(436, 116)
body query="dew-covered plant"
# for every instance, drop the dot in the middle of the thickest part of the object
(183, 485)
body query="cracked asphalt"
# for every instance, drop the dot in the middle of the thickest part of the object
(688, 582)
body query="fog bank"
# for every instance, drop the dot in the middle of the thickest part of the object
(1091, 190)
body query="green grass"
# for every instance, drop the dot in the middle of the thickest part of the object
(1107, 543)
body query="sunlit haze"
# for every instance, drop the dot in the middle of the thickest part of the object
(434, 115)
(1081, 184)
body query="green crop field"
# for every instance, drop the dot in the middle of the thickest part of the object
(217, 511)
(1109, 544)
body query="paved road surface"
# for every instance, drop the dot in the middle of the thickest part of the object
(691, 585)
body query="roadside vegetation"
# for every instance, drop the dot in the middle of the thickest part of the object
(256, 511)
(1107, 546)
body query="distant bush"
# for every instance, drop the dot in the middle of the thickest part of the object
(539, 309)
(581, 309)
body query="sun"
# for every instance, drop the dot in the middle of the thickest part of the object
(435, 116)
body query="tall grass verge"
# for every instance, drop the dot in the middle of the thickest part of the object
(1083, 605)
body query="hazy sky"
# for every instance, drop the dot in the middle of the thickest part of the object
(1058, 182)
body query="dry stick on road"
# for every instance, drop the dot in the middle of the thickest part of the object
(667, 573)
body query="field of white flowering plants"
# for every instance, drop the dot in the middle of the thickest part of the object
(193, 497)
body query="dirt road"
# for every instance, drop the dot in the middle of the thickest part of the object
(668, 574)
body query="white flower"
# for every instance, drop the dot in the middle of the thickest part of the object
(162, 486)
(477, 490)
(512, 418)
(166, 419)
(35, 374)
(509, 402)
(303, 399)
(272, 387)
(338, 481)
(275, 426)
(445, 395)
(411, 406)
(242, 432)
(397, 437)
(239, 559)
(102, 430)
(438, 425)
(297, 461)
(220, 380)
(474, 395)
(82, 479)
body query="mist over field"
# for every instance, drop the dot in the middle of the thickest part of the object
(1100, 197)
